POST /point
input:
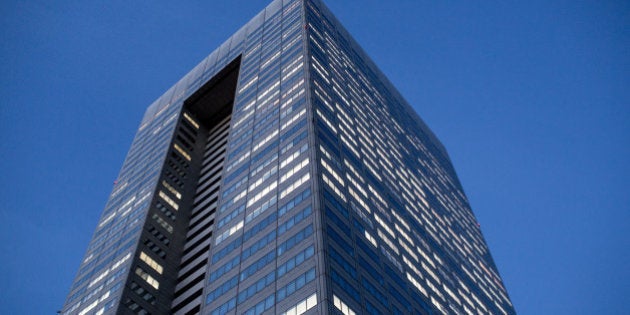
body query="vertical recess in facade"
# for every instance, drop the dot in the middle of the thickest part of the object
(172, 256)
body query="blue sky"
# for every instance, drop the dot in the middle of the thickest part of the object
(531, 99)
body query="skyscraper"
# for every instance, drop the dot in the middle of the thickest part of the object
(286, 175)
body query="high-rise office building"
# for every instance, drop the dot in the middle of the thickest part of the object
(285, 175)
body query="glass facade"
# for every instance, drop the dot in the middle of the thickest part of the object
(285, 175)
(400, 234)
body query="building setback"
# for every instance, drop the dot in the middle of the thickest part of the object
(286, 175)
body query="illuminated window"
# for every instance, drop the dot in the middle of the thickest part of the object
(182, 152)
(229, 232)
(238, 161)
(262, 193)
(333, 173)
(371, 239)
(343, 307)
(172, 190)
(152, 263)
(168, 200)
(269, 60)
(333, 187)
(268, 90)
(146, 277)
(264, 141)
(303, 306)
(327, 121)
(191, 121)
(262, 208)
(248, 84)
(293, 156)
(263, 165)
(262, 179)
(293, 119)
(294, 170)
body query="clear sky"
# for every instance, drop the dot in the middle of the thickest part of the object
(531, 99)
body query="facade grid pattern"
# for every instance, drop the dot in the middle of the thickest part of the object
(305, 184)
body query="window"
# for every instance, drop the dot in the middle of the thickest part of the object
(146, 277)
(225, 307)
(229, 232)
(261, 306)
(182, 152)
(152, 263)
(257, 265)
(262, 193)
(191, 121)
(168, 200)
(222, 289)
(295, 185)
(225, 268)
(294, 220)
(294, 170)
(261, 209)
(256, 287)
(343, 307)
(260, 244)
(172, 190)
(295, 261)
(296, 284)
(302, 306)
(294, 240)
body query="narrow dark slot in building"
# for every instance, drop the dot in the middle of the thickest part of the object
(211, 108)
(171, 264)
